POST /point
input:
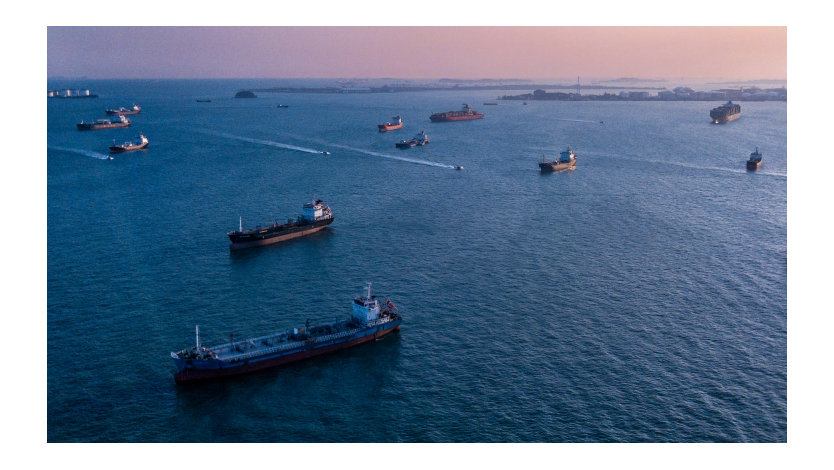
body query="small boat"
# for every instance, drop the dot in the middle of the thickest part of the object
(204, 100)
(283, 106)
(123, 111)
(138, 144)
(396, 123)
(566, 160)
(490, 104)
(755, 160)
(419, 139)
(325, 153)
(459, 167)
(525, 103)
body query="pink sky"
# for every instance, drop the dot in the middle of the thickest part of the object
(417, 52)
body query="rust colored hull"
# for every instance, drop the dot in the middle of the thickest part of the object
(192, 375)
(389, 127)
(279, 238)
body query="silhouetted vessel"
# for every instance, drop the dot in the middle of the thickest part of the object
(419, 139)
(755, 160)
(371, 318)
(567, 159)
(314, 217)
(104, 124)
(725, 113)
(464, 114)
(138, 144)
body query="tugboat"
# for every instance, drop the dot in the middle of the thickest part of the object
(123, 111)
(396, 123)
(567, 159)
(103, 124)
(419, 139)
(755, 160)
(725, 113)
(315, 216)
(464, 114)
(138, 144)
(372, 318)
(458, 167)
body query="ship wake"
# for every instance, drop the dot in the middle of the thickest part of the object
(269, 143)
(394, 157)
(88, 153)
(690, 165)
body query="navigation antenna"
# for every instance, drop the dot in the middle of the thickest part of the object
(577, 85)
(197, 327)
(369, 290)
(241, 223)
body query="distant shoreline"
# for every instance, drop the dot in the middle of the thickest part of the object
(401, 89)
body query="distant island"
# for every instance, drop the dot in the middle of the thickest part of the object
(442, 85)
(677, 94)
(245, 94)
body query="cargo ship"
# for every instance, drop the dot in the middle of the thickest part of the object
(370, 319)
(725, 113)
(315, 216)
(464, 114)
(420, 139)
(123, 111)
(138, 144)
(68, 94)
(567, 159)
(755, 160)
(103, 124)
(396, 123)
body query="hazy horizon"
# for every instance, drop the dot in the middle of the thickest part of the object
(744, 53)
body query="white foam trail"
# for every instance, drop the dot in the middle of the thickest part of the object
(689, 165)
(263, 142)
(576, 120)
(88, 153)
(394, 157)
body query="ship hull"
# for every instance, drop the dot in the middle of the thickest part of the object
(455, 118)
(754, 165)
(95, 127)
(549, 167)
(189, 375)
(120, 113)
(386, 127)
(269, 239)
(120, 149)
(726, 119)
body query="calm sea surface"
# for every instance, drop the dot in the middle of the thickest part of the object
(640, 297)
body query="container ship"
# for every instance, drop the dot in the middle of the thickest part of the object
(123, 111)
(64, 94)
(315, 216)
(371, 318)
(755, 160)
(420, 139)
(104, 124)
(464, 114)
(396, 123)
(140, 143)
(725, 113)
(567, 159)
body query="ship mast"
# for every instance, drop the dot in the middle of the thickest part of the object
(197, 327)
(369, 290)
(241, 223)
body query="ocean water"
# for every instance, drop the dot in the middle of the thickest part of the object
(638, 298)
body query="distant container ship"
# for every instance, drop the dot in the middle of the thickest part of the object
(567, 159)
(103, 124)
(464, 114)
(314, 217)
(725, 113)
(396, 123)
(123, 111)
(371, 318)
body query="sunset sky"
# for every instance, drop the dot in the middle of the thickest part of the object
(417, 52)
